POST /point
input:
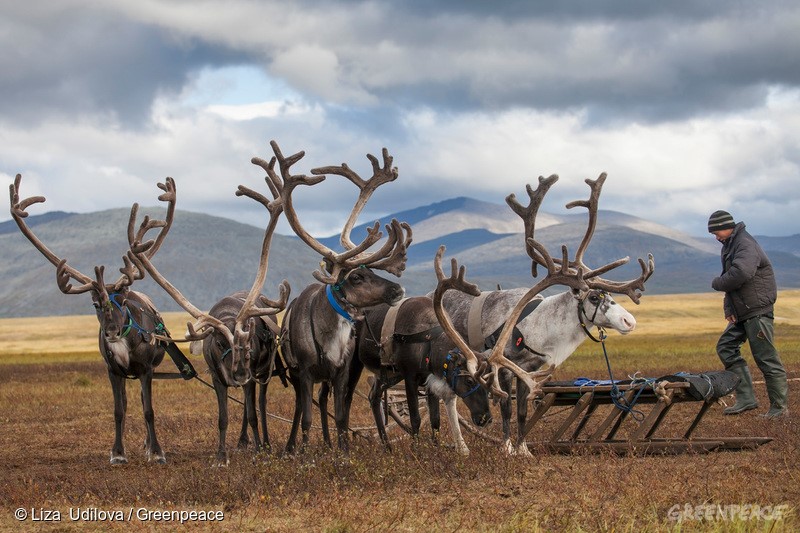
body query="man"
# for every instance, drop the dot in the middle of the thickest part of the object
(748, 282)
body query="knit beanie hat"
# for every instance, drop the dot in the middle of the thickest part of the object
(720, 220)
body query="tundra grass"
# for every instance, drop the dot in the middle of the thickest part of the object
(57, 427)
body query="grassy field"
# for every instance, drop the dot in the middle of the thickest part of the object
(56, 430)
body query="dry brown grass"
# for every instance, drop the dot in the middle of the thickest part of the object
(57, 429)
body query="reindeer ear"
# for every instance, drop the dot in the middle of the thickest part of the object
(196, 347)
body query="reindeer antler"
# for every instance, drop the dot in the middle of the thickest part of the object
(475, 366)
(528, 214)
(632, 288)
(275, 208)
(64, 272)
(391, 257)
(130, 272)
(255, 304)
(496, 357)
(380, 175)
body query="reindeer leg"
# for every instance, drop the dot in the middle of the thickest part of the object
(412, 397)
(340, 412)
(262, 407)
(355, 369)
(375, 394)
(250, 410)
(305, 424)
(322, 400)
(153, 448)
(455, 429)
(506, 379)
(222, 405)
(433, 414)
(120, 407)
(244, 438)
(298, 393)
(522, 414)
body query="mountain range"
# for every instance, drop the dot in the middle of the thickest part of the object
(207, 257)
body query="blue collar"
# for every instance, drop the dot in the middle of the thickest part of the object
(335, 304)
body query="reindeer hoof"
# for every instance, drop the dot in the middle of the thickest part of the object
(523, 450)
(221, 462)
(508, 448)
(157, 458)
(118, 460)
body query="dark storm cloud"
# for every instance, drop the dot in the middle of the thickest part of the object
(71, 63)
(643, 60)
(650, 61)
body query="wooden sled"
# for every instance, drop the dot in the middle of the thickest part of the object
(594, 423)
(659, 395)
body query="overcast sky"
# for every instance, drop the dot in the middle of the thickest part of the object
(688, 106)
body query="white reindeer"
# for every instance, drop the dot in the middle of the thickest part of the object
(527, 332)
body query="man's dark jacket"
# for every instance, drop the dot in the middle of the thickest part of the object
(747, 277)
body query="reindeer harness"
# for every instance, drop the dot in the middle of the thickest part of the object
(159, 329)
(333, 300)
(159, 333)
(450, 368)
(453, 371)
(474, 326)
(582, 311)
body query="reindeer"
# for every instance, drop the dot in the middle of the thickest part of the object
(419, 354)
(318, 330)
(131, 329)
(238, 333)
(545, 331)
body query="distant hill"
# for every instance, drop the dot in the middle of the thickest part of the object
(9, 226)
(789, 245)
(207, 257)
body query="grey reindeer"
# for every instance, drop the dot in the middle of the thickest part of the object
(318, 329)
(128, 320)
(238, 333)
(545, 331)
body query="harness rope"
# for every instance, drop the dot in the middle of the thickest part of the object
(617, 397)
(132, 323)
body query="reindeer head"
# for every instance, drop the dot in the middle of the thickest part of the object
(111, 308)
(595, 303)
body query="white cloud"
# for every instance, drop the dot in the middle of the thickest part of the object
(684, 114)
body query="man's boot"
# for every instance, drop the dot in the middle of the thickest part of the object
(778, 391)
(745, 399)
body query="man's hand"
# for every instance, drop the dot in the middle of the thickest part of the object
(731, 319)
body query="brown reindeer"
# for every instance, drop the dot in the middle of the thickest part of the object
(238, 333)
(545, 331)
(129, 323)
(419, 354)
(317, 331)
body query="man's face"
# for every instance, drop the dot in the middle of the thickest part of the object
(722, 234)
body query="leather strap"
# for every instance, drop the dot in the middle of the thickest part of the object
(475, 336)
(387, 331)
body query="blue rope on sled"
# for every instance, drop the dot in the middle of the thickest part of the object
(617, 397)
